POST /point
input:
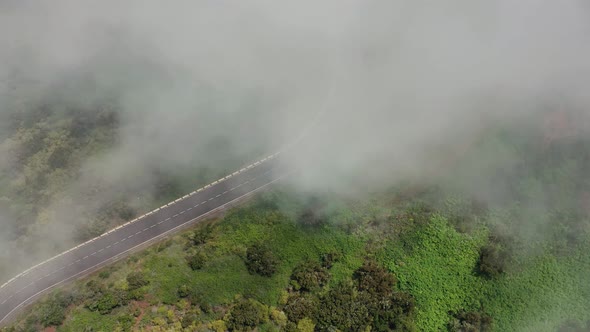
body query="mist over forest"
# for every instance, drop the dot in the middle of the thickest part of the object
(108, 110)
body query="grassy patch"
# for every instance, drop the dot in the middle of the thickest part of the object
(436, 266)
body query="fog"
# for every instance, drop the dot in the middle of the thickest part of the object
(379, 90)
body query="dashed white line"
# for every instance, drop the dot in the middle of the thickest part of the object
(145, 229)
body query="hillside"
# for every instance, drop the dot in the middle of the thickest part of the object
(419, 257)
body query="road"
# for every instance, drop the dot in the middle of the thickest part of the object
(115, 244)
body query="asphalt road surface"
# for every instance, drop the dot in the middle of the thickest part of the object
(109, 247)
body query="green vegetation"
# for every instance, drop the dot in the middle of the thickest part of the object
(444, 257)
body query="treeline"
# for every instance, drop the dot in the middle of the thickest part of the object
(42, 150)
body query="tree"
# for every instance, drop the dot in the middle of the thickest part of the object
(374, 279)
(260, 260)
(300, 306)
(343, 307)
(310, 275)
(247, 314)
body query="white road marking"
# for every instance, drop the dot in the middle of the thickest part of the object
(138, 233)
(101, 250)
(211, 198)
(189, 209)
(217, 195)
(62, 281)
(225, 192)
(182, 212)
(174, 216)
(168, 218)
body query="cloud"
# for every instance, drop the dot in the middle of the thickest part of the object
(380, 88)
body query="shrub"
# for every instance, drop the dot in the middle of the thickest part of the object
(197, 260)
(52, 312)
(260, 260)
(464, 321)
(183, 291)
(310, 275)
(328, 259)
(136, 280)
(202, 235)
(108, 301)
(305, 325)
(492, 261)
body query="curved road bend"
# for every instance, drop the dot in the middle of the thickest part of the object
(25, 288)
